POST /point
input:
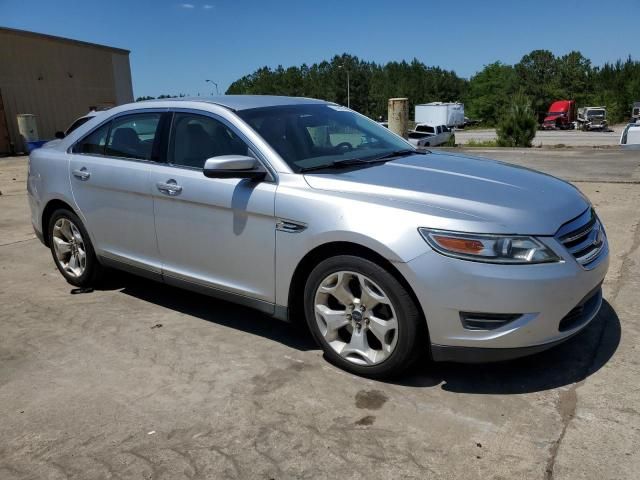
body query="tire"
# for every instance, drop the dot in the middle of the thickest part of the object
(87, 271)
(392, 344)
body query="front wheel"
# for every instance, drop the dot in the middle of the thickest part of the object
(362, 317)
(72, 249)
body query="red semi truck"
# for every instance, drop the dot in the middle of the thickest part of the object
(561, 115)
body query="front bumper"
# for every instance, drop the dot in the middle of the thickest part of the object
(445, 353)
(543, 295)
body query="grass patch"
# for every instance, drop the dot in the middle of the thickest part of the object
(481, 143)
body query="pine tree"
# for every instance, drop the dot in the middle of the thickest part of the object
(517, 127)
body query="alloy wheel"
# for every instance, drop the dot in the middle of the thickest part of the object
(69, 247)
(356, 318)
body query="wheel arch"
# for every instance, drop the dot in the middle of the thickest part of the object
(332, 249)
(52, 205)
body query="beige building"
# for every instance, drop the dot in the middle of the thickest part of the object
(57, 80)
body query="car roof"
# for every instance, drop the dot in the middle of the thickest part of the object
(246, 102)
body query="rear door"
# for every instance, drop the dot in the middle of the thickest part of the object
(109, 172)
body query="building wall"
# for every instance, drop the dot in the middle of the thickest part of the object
(58, 80)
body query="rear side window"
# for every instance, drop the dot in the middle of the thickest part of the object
(78, 123)
(425, 129)
(132, 136)
(94, 143)
(195, 138)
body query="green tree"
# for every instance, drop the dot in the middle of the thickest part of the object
(538, 78)
(489, 92)
(518, 125)
(540, 75)
(370, 84)
(574, 76)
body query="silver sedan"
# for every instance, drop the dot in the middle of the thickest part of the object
(307, 210)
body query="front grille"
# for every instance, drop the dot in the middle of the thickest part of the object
(583, 237)
(582, 312)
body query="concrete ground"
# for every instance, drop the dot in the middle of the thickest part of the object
(139, 380)
(575, 138)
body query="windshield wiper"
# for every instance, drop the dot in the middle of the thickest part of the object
(398, 153)
(336, 164)
(361, 161)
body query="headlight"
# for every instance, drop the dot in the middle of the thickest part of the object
(512, 249)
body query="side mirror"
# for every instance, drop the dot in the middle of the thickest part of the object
(59, 135)
(233, 166)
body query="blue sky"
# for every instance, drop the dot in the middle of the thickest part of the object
(176, 45)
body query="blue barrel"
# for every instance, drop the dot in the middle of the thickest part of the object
(31, 146)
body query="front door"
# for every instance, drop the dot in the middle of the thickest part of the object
(109, 172)
(215, 233)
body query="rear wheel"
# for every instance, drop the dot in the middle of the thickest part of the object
(72, 250)
(362, 317)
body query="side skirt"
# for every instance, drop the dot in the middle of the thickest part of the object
(279, 312)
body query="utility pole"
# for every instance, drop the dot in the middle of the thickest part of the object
(399, 116)
(211, 81)
(348, 86)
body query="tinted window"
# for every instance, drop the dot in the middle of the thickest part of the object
(313, 135)
(195, 138)
(133, 136)
(93, 143)
(77, 123)
(425, 129)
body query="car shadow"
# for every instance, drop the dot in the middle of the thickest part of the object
(210, 309)
(565, 364)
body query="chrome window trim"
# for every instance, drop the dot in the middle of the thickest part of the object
(271, 171)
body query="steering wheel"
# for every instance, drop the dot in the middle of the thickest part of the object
(346, 146)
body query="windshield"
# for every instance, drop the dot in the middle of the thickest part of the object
(595, 113)
(308, 136)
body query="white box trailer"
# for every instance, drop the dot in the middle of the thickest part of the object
(440, 113)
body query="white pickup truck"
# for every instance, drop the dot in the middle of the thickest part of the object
(630, 138)
(425, 135)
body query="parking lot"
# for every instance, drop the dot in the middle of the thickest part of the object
(139, 380)
(570, 138)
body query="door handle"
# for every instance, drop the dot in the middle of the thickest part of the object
(171, 187)
(82, 173)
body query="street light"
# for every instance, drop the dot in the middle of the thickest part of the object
(211, 81)
(348, 89)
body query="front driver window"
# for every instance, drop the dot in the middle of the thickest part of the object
(195, 138)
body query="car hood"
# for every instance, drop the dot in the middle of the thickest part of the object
(462, 193)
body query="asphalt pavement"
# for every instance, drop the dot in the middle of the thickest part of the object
(139, 380)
